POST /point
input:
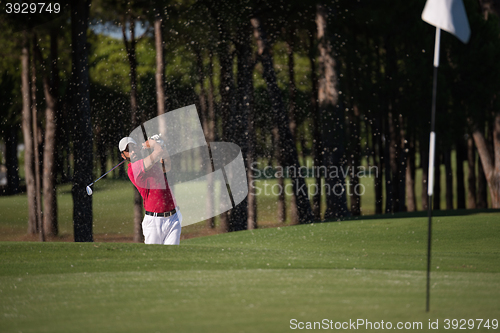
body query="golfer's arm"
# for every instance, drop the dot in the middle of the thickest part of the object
(152, 158)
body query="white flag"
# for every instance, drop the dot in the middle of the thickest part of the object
(448, 15)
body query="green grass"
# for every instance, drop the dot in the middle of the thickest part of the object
(112, 210)
(256, 281)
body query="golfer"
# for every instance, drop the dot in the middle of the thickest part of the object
(162, 222)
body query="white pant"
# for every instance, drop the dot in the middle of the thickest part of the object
(162, 230)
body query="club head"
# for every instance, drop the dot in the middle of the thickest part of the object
(89, 190)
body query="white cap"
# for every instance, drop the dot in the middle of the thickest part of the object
(124, 142)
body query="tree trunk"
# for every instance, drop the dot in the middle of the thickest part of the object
(437, 181)
(393, 156)
(355, 200)
(63, 134)
(82, 144)
(252, 199)
(49, 166)
(402, 165)
(291, 82)
(449, 178)
(102, 150)
(471, 174)
(29, 167)
(11, 161)
(211, 103)
(491, 162)
(411, 202)
(40, 135)
(226, 87)
(224, 221)
(61, 151)
(210, 131)
(288, 148)
(380, 138)
(391, 72)
(228, 97)
(230, 131)
(424, 164)
(132, 60)
(239, 115)
(202, 96)
(378, 158)
(489, 7)
(227, 93)
(34, 120)
(316, 118)
(482, 184)
(389, 199)
(160, 63)
(460, 175)
(281, 210)
(294, 213)
(332, 121)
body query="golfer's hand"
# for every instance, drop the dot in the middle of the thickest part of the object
(149, 144)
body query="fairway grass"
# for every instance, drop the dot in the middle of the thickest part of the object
(257, 281)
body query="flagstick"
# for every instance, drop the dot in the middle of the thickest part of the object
(432, 146)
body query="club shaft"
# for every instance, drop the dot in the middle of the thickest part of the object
(116, 166)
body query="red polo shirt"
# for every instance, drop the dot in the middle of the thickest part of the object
(153, 187)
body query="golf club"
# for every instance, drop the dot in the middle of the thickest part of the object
(89, 190)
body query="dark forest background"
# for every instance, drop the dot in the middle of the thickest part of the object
(324, 83)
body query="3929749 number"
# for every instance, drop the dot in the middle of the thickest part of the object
(464, 324)
(32, 8)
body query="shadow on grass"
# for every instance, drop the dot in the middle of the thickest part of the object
(403, 215)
